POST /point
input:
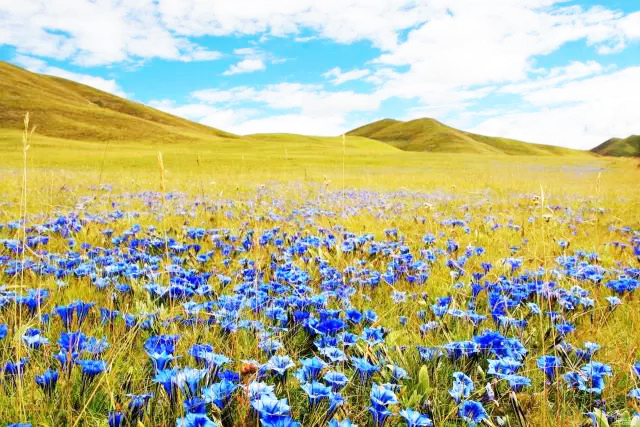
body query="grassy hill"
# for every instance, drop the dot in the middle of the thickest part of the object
(628, 147)
(430, 135)
(65, 109)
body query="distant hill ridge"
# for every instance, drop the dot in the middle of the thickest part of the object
(428, 134)
(66, 109)
(629, 146)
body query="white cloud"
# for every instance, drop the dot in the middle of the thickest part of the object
(39, 66)
(578, 114)
(307, 98)
(93, 32)
(245, 66)
(283, 107)
(344, 21)
(222, 118)
(338, 77)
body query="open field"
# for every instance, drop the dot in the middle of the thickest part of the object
(307, 256)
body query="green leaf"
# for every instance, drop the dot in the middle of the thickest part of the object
(423, 379)
(601, 418)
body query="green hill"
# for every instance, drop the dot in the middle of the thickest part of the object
(65, 109)
(629, 147)
(430, 135)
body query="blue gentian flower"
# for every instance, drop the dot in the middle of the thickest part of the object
(462, 387)
(195, 405)
(167, 378)
(549, 365)
(280, 422)
(472, 412)
(415, 418)
(33, 339)
(517, 382)
(312, 367)
(136, 406)
(14, 369)
(316, 392)
(280, 364)
(91, 368)
(219, 393)
(258, 389)
(364, 368)
(381, 397)
(116, 419)
(72, 342)
(334, 354)
(337, 380)
(47, 381)
(161, 360)
(195, 420)
(270, 408)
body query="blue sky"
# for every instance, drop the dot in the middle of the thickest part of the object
(558, 72)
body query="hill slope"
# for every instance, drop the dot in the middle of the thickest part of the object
(430, 135)
(629, 146)
(66, 109)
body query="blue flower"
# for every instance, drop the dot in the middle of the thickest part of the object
(316, 392)
(14, 369)
(364, 368)
(33, 339)
(462, 387)
(280, 422)
(280, 364)
(161, 360)
(191, 378)
(343, 423)
(334, 354)
(517, 382)
(136, 405)
(195, 420)
(472, 412)
(3, 330)
(82, 310)
(337, 380)
(381, 397)
(66, 314)
(167, 378)
(72, 342)
(219, 393)
(161, 343)
(549, 365)
(116, 419)
(312, 367)
(195, 405)
(270, 408)
(91, 368)
(47, 381)
(415, 418)
(504, 366)
(398, 374)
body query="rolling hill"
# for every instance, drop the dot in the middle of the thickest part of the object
(430, 135)
(65, 109)
(629, 147)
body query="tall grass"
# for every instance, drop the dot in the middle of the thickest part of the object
(575, 199)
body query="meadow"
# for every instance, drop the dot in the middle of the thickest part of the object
(280, 280)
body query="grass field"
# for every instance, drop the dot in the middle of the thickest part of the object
(241, 243)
